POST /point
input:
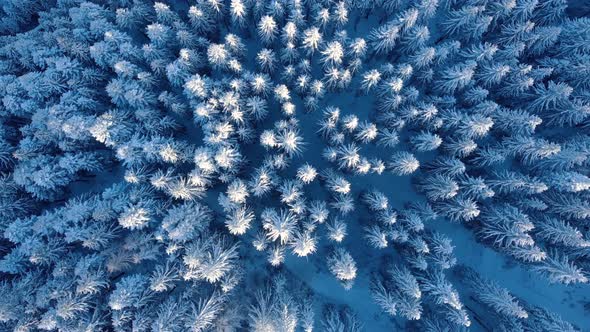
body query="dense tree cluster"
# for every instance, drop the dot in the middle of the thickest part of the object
(154, 159)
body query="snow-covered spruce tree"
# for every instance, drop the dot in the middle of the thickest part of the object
(279, 225)
(403, 163)
(384, 38)
(559, 232)
(436, 286)
(493, 295)
(340, 320)
(459, 208)
(209, 259)
(343, 266)
(405, 282)
(506, 226)
(558, 269)
(394, 302)
(277, 307)
(439, 187)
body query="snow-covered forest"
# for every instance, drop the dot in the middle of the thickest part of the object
(295, 165)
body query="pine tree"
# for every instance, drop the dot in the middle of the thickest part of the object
(202, 314)
(459, 208)
(239, 220)
(446, 166)
(456, 77)
(128, 292)
(436, 286)
(558, 269)
(491, 74)
(493, 295)
(163, 278)
(279, 226)
(426, 141)
(506, 226)
(209, 259)
(384, 38)
(568, 206)
(560, 232)
(438, 187)
(403, 163)
(511, 181)
(516, 121)
(342, 265)
(335, 321)
(405, 282)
